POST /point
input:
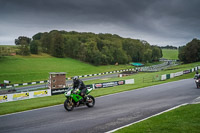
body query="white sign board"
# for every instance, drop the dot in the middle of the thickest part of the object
(6, 82)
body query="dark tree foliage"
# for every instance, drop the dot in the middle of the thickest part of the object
(23, 43)
(37, 36)
(34, 47)
(97, 49)
(22, 40)
(169, 47)
(190, 52)
(156, 53)
(57, 46)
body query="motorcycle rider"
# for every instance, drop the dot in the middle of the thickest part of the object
(77, 83)
(197, 76)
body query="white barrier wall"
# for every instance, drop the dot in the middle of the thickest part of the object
(163, 77)
(130, 81)
(178, 74)
(171, 75)
(24, 95)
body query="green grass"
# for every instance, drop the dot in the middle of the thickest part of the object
(182, 120)
(9, 46)
(170, 54)
(18, 69)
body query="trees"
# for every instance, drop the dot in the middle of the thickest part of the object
(34, 47)
(46, 42)
(181, 53)
(57, 48)
(156, 53)
(148, 55)
(190, 52)
(22, 40)
(168, 47)
(23, 43)
(98, 49)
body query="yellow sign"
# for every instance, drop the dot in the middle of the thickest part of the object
(38, 93)
(21, 96)
(3, 98)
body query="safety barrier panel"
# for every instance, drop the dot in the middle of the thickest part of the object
(172, 75)
(24, 95)
(130, 81)
(163, 77)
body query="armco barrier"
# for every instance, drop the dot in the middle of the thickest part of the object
(82, 76)
(24, 95)
(98, 74)
(172, 75)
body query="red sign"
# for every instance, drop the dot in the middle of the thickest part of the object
(120, 82)
(98, 85)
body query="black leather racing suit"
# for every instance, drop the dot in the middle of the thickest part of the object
(80, 85)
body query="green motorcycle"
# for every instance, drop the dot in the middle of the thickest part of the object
(75, 100)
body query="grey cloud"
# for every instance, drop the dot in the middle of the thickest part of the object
(151, 20)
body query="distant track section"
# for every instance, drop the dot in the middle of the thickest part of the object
(82, 76)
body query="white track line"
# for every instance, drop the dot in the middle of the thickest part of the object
(146, 118)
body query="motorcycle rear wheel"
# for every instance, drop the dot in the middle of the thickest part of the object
(69, 104)
(90, 101)
(197, 86)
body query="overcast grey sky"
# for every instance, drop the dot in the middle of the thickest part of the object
(160, 22)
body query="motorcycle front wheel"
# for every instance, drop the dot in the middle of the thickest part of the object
(69, 104)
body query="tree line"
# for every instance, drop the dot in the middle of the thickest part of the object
(190, 52)
(97, 49)
(168, 47)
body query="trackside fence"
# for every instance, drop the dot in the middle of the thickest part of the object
(68, 78)
(24, 95)
(172, 75)
(49, 92)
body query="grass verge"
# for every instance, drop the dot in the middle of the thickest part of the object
(181, 120)
(170, 54)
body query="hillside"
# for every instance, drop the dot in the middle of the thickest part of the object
(170, 54)
(19, 69)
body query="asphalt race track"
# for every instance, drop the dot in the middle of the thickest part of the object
(110, 111)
